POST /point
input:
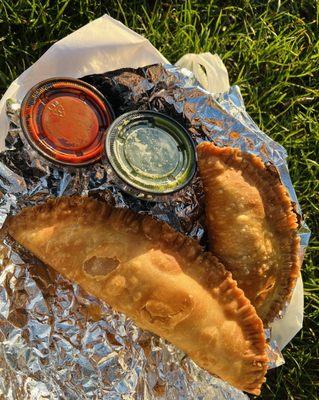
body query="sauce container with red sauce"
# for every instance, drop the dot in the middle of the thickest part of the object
(65, 120)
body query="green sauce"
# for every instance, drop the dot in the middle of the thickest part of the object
(151, 152)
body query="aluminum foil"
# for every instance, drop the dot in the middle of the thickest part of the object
(57, 342)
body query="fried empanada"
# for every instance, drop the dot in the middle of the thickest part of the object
(251, 225)
(156, 276)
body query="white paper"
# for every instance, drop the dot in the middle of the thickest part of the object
(283, 330)
(105, 45)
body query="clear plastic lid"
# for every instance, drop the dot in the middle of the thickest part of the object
(65, 119)
(151, 152)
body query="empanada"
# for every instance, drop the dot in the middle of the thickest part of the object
(251, 225)
(156, 276)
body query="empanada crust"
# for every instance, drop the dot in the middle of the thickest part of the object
(156, 276)
(251, 225)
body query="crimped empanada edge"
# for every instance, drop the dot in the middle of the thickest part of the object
(218, 279)
(234, 157)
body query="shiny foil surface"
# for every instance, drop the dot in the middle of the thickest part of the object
(57, 342)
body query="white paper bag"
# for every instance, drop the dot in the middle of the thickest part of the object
(208, 69)
(105, 45)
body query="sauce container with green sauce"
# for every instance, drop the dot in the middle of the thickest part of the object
(151, 155)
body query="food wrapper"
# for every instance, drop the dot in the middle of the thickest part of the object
(56, 341)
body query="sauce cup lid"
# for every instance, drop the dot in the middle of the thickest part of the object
(65, 120)
(151, 152)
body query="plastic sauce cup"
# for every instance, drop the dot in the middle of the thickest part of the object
(65, 120)
(152, 155)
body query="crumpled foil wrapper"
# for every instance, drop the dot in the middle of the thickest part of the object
(57, 342)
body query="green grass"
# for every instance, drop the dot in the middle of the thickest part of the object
(271, 49)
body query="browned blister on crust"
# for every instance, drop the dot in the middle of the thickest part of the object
(156, 276)
(251, 225)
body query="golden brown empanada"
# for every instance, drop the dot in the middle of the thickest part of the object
(251, 225)
(156, 276)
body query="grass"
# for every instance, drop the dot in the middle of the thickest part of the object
(271, 49)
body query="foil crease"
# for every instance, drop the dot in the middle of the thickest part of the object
(56, 342)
